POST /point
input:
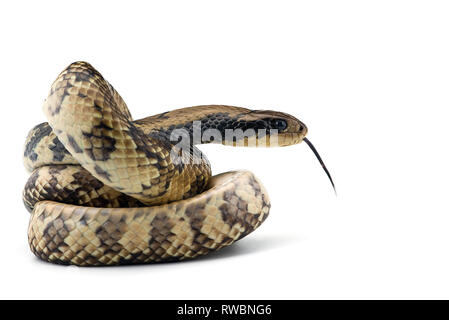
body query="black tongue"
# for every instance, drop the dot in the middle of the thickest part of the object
(321, 161)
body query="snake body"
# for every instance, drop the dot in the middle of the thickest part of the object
(105, 189)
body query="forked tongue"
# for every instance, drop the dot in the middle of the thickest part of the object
(317, 155)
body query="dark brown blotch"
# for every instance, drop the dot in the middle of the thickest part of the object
(102, 173)
(74, 144)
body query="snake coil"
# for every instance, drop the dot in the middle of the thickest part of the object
(106, 190)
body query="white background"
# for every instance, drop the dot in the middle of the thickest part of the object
(369, 78)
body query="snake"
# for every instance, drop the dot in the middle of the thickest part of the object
(105, 189)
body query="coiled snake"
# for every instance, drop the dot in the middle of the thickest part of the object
(107, 190)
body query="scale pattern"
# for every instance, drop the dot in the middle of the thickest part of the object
(104, 189)
(235, 204)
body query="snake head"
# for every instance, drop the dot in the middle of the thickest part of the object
(288, 129)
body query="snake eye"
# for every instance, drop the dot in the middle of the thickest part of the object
(280, 124)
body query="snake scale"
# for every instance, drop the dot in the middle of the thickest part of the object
(109, 190)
